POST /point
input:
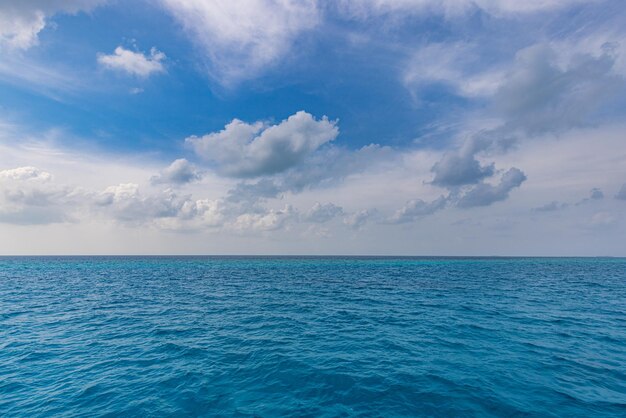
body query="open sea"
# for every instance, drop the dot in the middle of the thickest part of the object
(312, 336)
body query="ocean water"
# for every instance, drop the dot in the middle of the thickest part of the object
(245, 336)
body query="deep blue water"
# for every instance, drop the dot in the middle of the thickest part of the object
(216, 336)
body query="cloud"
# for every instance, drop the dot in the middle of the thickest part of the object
(25, 173)
(267, 221)
(416, 209)
(180, 171)
(240, 39)
(258, 149)
(456, 65)
(323, 213)
(457, 168)
(324, 168)
(134, 63)
(621, 194)
(484, 194)
(357, 220)
(366, 9)
(28, 196)
(126, 203)
(551, 207)
(544, 94)
(594, 194)
(22, 21)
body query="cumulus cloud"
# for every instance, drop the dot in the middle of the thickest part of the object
(321, 213)
(621, 194)
(134, 63)
(457, 168)
(126, 203)
(29, 196)
(180, 171)
(22, 21)
(242, 39)
(484, 194)
(258, 149)
(418, 208)
(541, 93)
(267, 221)
(322, 169)
(25, 173)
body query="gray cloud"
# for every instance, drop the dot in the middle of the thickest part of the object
(594, 194)
(621, 194)
(543, 95)
(254, 150)
(322, 213)
(460, 168)
(28, 196)
(180, 171)
(418, 208)
(551, 207)
(540, 95)
(484, 194)
(125, 203)
(324, 168)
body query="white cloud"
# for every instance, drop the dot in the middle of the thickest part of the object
(29, 196)
(242, 38)
(456, 65)
(25, 173)
(21, 21)
(251, 150)
(267, 221)
(134, 63)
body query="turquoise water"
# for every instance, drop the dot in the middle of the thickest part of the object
(107, 336)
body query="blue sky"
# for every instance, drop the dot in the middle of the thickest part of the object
(364, 126)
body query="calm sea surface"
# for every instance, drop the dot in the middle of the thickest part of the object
(245, 336)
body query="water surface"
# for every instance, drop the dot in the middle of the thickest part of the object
(239, 336)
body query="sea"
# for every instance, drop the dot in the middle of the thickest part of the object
(312, 337)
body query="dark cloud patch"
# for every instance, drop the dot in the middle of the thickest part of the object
(458, 169)
(180, 171)
(551, 207)
(485, 194)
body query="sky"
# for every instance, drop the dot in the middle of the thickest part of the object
(373, 127)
